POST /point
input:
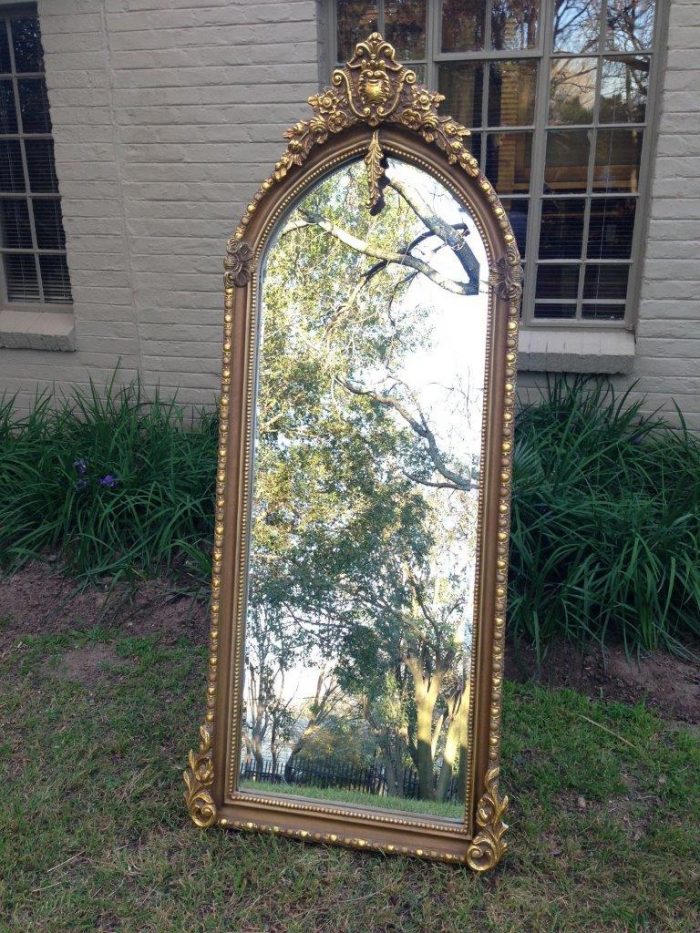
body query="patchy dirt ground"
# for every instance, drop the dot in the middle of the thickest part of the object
(668, 684)
(39, 598)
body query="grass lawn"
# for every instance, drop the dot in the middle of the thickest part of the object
(94, 731)
(446, 810)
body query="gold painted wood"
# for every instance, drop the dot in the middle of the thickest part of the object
(371, 94)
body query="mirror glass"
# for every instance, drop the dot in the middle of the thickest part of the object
(363, 536)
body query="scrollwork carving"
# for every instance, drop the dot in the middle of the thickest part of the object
(374, 88)
(507, 277)
(488, 846)
(198, 779)
(238, 264)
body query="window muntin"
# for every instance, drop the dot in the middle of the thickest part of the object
(32, 240)
(556, 93)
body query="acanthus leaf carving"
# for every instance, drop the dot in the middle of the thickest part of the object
(198, 779)
(488, 847)
(238, 264)
(374, 88)
(507, 276)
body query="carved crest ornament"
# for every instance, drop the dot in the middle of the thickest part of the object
(375, 90)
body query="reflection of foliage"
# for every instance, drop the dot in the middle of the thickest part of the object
(362, 521)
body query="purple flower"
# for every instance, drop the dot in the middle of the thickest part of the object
(80, 485)
(109, 481)
(80, 465)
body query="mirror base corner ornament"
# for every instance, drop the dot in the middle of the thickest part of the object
(198, 779)
(488, 846)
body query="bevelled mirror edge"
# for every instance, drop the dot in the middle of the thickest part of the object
(374, 101)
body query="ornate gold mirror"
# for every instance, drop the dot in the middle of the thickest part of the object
(359, 583)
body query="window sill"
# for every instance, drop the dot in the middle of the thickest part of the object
(37, 330)
(575, 350)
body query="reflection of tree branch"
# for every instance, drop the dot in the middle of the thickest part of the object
(440, 228)
(388, 256)
(418, 427)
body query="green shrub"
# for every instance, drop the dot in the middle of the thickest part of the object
(119, 485)
(606, 505)
(606, 521)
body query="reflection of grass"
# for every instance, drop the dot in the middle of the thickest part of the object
(451, 811)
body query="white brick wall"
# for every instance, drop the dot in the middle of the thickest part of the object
(168, 113)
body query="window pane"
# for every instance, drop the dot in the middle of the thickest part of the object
(605, 282)
(462, 86)
(54, 278)
(405, 27)
(15, 232)
(26, 39)
(561, 228)
(508, 162)
(5, 65)
(617, 157)
(20, 277)
(577, 25)
(557, 281)
(623, 90)
(555, 311)
(512, 93)
(514, 24)
(572, 90)
(48, 222)
(42, 171)
(11, 174)
(463, 25)
(356, 20)
(596, 312)
(8, 116)
(566, 165)
(610, 228)
(516, 209)
(34, 105)
(630, 25)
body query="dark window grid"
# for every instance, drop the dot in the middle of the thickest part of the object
(381, 27)
(487, 52)
(27, 194)
(544, 53)
(539, 160)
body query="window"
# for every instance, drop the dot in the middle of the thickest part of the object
(557, 94)
(32, 241)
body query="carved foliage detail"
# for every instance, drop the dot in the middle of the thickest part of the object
(199, 778)
(488, 846)
(238, 264)
(507, 276)
(374, 88)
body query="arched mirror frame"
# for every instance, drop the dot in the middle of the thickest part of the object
(374, 109)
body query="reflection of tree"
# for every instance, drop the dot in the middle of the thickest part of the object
(363, 518)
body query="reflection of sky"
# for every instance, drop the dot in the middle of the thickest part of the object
(448, 374)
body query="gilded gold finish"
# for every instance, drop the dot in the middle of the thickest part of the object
(375, 171)
(488, 846)
(199, 778)
(371, 92)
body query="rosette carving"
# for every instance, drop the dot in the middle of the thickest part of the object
(488, 846)
(198, 779)
(238, 264)
(507, 277)
(374, 88)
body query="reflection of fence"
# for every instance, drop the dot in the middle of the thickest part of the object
(328, 773)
